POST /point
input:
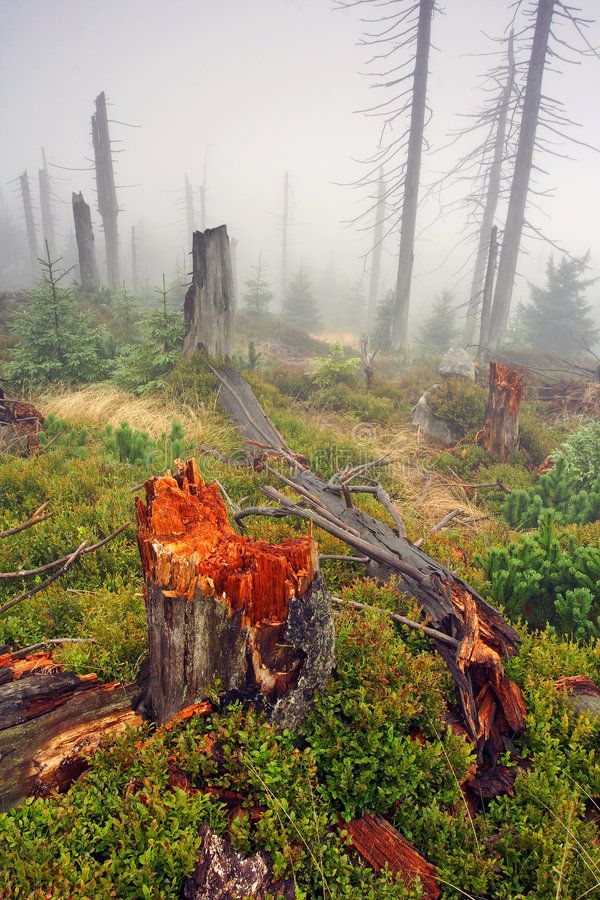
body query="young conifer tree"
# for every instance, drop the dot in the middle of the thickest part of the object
(438, 332)
(257, 294)
(301, 307)
(558, 317)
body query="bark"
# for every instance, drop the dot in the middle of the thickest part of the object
(210, 301)
(492, 705)
(50, 721)
(481, 270)
(381, 846)
(375, 277)
(515, 217)
(108, 206)
(86, 248)
(500, 433)
(411, 180)
(220, 607)
(486, 303)
(29, 221)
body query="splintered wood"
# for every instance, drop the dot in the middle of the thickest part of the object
(51, 721)
(500, 433)
(381, 846)
(219, 605)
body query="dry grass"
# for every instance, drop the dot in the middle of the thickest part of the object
(97, 406)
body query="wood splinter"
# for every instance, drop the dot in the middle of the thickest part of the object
(223, 609)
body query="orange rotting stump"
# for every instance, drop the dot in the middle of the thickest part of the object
(380, 845)
(187, 543)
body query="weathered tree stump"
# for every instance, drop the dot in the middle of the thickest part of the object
(210, 301)
(86, 248)
(50, 722)
(227, 610)
(500, 433)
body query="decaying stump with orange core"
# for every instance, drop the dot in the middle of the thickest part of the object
(500, 433)
(226, 611)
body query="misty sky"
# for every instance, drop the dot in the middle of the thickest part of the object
(270, 85)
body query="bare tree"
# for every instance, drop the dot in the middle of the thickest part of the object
(46, 207)
(190, 214)
(375, 275)
(108, 206)
(29, 220)
(86, 248)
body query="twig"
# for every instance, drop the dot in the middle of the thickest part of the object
(439, 525)
(27, 573)
(38, 516)
(20, 654)
(402, 620)
(40, 587)
(363, 560)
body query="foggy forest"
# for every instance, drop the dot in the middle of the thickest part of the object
(300, 449)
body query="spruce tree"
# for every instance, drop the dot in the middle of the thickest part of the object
(384, 317)
(558, 317)
(257, 294)
(438, 331)
(300, 307)
(56, 341)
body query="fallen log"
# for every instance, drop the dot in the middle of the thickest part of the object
(500, 433)
(492, 705)
(381, 846)
(223, 608)
(51, 721)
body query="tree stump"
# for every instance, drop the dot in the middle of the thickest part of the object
(227, 611)
(210, 301)
(86, 248)
(500, 433)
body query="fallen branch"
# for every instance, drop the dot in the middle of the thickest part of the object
(402, 620)
(441, 524)
(39, 516)
(42, 587)
(50, 642)
(27, 573)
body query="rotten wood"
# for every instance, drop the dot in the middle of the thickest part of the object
(381, 846)
(86, 248)
(225, 608)
(210, 301)
(452, 606)
(500, 433)
(50, 722)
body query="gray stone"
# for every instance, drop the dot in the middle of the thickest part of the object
(456, 362)
(433, 426)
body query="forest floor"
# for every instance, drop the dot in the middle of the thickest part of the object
(378, 738)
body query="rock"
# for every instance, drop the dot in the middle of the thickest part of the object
(434, 427)
(456, 362)
(583, 694)
(223, 874)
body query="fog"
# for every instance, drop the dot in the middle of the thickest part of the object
(268, 86)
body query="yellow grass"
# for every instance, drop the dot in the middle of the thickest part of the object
(97, 406)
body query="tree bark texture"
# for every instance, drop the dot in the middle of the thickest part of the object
(224, 609)
(86, 248)
(210, 301)
(500, 433)
(108, 206)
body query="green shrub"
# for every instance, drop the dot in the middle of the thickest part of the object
(459, 401)
(336, 368)
(127, 444)
(560, 490)
(546, 577)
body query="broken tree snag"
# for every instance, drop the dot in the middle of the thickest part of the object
(381, 846)
(86, 248)
(50, 722)
(222, 608)
(20, 425)
(500, 433)
(210, 301)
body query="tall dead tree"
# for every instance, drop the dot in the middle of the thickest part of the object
(108, 206)
(48, 233)
(29, 220)
(233, 242)
(488, 288)
(284, 238)
(190, 214)
(375, 275)
(209, 306)
(492, 194)
(86, 247)
(515, 217)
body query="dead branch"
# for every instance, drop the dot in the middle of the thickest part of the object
(439, 525)
(42, 587)
(39, 516)
(402, 620)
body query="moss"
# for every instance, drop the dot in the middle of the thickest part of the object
(459, 401)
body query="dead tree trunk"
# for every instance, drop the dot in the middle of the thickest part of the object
(500, 433)
(515, 217)
(108, 206)
(46, 208)
(375, 276)
(476, 637)
(29, 221)
(86, 248)
(233, 242)
(210, 301)
(488, 289)
(220, 607)
(190, 214)
(50, 721)
(411, 179)
(491, 200)
(134, 261)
